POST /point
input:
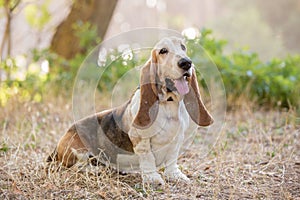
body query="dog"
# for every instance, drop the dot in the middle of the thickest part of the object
(148, 131)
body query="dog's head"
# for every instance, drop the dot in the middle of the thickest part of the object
(169, 70)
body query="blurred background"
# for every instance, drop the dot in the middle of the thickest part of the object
(253, 44)
(42, 43)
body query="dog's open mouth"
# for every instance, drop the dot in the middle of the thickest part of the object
(180, 85)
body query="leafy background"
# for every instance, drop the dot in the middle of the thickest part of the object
(271, 84)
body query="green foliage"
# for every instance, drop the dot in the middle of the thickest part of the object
(4, 147)
(119, 62)
(11, 4)
(87, 34)
(27, 86)
(63, 72)
(273, 83)
(34, 83)
(37, 15)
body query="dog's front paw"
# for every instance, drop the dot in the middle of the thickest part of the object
(153, 178)
(176, 175)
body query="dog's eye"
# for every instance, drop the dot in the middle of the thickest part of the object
(183, 47)
(163, 51)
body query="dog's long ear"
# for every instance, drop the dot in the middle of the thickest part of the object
(194, 104)
(148, 108)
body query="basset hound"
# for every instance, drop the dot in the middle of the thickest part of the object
(147, 132)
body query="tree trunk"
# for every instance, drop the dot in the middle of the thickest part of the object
(7, 32)
(6, 40)
(97, 12)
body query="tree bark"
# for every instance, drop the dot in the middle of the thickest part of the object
(6, 36)
(97, 12)
(6, 40)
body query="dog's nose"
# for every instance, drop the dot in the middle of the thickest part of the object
(185, 63)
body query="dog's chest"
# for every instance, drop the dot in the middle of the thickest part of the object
(169, 124)
(169, 128)
(171, 121)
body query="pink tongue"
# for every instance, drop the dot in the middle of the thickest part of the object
(181, 86)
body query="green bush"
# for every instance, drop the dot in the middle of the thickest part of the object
(273, 83)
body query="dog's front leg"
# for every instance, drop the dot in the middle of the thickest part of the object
(172, 171)
(147, 163)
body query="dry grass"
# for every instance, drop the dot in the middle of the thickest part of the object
(257, 157)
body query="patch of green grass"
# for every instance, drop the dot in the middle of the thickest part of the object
(4, 147)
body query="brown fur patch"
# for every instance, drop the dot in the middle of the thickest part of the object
(70, 140)
(83, 136)
(149, 95)
(113, 127)
(194, 104)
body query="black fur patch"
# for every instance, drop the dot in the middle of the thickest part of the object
(52, 157)
(170, 85)
(111, 126)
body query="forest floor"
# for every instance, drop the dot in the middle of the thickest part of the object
(256, 156)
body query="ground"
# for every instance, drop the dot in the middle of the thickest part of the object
(256, 156)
